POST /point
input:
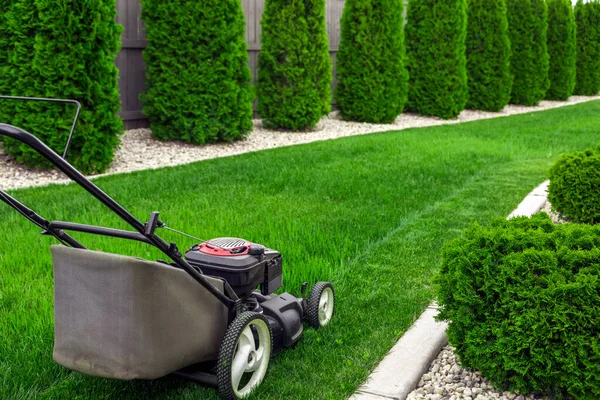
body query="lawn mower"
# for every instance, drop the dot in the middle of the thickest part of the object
(209, 315)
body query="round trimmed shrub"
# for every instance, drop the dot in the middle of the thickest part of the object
(372, 80)
(65, 52)
(587, 17)
(197, 74)
(528, 28)
(523, 300)
(294, 67)
(488, 55)
(435, 52)
(562, 49)
(574, 189)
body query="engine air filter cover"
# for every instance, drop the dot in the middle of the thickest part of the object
(232, 260)
(222, 247)
(228, 243)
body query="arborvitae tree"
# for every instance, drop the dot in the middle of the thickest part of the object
(528, 28)
(587, 16)
(294, 68)
(5, 42)
(372, 79)
(19, 25)
(5, 50)
(561, 49)
(317, 27)
(66, 52)
(488, 55)
(436, 62)
(197, 74)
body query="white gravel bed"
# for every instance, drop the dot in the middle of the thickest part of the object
(556, 217)
(139, 151)
(447, 380)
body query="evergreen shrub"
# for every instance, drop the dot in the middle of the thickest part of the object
(294, 67)
(372, 79)
(435, 52)
(65, 52)
(523, 300)
(197, 74)
(528, 28)
(574, 189)
(562, 49)
(5, 49)
(587, 17)
(488, 55)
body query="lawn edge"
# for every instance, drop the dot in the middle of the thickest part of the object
(387, 128)
(401, 369)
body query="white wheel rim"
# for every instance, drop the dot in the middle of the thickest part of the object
(326, 303)
(251, 356)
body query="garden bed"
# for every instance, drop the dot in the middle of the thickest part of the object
(139, 150)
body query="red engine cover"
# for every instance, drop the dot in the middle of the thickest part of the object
(225, 247)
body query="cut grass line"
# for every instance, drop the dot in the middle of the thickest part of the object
(407, 222)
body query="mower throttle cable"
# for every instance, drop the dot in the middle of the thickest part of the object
(183, 234)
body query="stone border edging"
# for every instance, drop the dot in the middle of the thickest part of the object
(402, 368)
(399, 372)
(532, 203)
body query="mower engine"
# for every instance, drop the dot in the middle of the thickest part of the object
(242, 264)
(246, 266)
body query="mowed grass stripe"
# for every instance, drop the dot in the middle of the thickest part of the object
(368, 212)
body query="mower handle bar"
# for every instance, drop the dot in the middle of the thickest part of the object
(169, 249)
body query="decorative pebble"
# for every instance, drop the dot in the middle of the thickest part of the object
(470, 386)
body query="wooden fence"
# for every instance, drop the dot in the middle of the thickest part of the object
(131, 63)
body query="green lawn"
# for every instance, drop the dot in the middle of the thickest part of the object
(368, 213)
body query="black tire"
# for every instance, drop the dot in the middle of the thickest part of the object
(229, 349)
(314, 299)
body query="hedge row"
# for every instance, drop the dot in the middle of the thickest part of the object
(198, 80)
(197, 74)
(65, 52)
(523, 298)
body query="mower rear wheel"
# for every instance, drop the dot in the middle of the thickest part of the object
(244, 356)
(321, 305)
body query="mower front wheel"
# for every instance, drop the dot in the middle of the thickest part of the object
(321, 305)
(244, 356)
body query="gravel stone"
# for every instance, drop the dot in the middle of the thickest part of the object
(472, 385)
(139, 151)
(557, 218)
